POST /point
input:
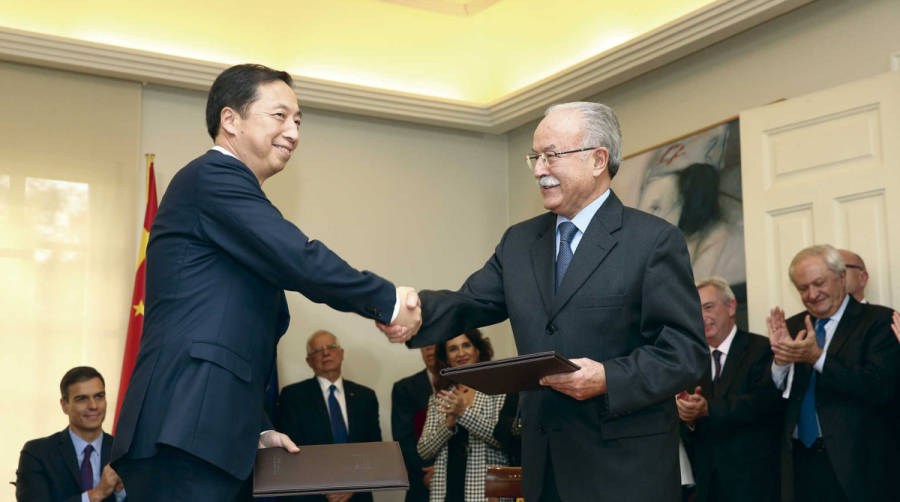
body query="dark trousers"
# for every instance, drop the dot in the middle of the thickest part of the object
(814, 479)
(549, 492)
(174, 475)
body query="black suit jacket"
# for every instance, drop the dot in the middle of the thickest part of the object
(854, 393)
(627, 300)
(49, 471)
(738, 442)
(409, 396)
(219, 258)
(303, 415)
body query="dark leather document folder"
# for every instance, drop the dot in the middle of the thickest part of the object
(329, 468)
(510, 375)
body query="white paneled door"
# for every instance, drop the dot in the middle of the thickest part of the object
(817, 169)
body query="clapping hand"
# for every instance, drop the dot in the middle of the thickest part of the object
(691, 406)
(778, 332)
(802, 349)
(409, 318)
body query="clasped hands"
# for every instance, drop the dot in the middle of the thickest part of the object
(691, 406)
(801, 349)
(409, 317)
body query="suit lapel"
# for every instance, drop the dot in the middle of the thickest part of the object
(732, 368)
(423, 384)
(105, 450)
(67, 453)
(542, 261)
(350, 400)
(595, 245)
(846, 327)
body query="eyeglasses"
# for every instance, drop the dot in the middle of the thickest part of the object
(320, 350)
(550, 157)
(857, 267)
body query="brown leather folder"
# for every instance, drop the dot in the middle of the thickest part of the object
(329, 468)
(503, 482)
(513, 374)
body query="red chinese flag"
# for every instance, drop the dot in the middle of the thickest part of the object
(136, 316)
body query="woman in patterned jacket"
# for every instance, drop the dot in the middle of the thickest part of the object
(458, 432)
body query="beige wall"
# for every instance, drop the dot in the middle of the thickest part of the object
(68, 240)
(824, 44)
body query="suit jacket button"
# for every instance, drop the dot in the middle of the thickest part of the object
(551, 329)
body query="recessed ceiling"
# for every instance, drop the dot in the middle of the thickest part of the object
(453, 7)
(424, 47)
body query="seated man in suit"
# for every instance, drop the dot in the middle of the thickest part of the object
(734, 416)
(837, 364)
(71, 465)
(409, 406)
(327, 409)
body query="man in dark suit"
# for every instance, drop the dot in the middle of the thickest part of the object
(837, 364)
(607, 285)
(328, 409)
(72, 465)
(409, 406)
(219, 258)
(734, 416)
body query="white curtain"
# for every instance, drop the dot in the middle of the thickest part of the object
(70, 180)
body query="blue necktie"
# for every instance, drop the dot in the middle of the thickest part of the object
(567, 232)
(87, 472)
(338, 428)
(807, 425)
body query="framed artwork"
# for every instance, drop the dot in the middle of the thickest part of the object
(694, 183)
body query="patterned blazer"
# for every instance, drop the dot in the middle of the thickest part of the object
(479, 420)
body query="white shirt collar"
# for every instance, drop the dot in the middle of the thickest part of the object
(80, 443)
(836, 317)
(223, 150)
(325, 384)
(725, 346)
(584, 217)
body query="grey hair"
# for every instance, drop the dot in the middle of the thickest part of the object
(601, 128)
(827, 252)
(721, 285)
(317, 333)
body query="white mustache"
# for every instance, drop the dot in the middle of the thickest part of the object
(547, 181)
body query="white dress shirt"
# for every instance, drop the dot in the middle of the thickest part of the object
(324, 384)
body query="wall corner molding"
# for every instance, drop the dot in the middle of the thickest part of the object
(643, 54)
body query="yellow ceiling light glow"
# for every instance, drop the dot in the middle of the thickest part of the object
(477, 58)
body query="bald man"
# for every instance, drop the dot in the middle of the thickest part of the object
(857, 276)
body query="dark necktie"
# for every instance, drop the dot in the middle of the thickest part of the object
(567, 231)
(87, 472)
(807, 426)
(717, 358)
(338, 427)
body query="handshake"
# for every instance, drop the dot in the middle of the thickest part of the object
(408, 319)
